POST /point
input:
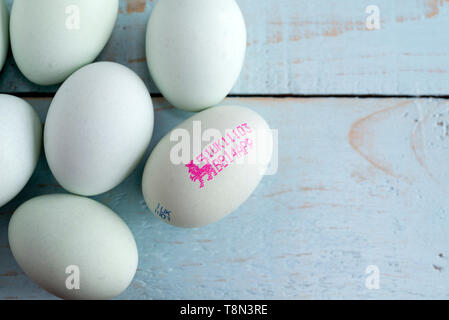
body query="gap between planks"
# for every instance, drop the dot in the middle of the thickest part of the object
(279, 96)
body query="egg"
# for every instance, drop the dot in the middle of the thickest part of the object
(73, 247)
(98, 128)
(207, 166)
(195, 50)
(51, 39)
(4, 32)
(20, 145)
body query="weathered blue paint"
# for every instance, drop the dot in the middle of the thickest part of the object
(309, 47)
(360, 182)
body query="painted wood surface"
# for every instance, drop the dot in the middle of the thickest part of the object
(360, 182)
(309, 47)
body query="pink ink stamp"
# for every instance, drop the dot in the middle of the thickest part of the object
(197, 173)
(221, 153)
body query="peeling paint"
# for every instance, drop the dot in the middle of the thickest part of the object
(135, 6)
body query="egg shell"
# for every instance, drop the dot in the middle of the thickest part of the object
(51, 39)
(195, 50)
(50, 235)
(98, 127)
(4, 33)
(20, 145)
(209, 183)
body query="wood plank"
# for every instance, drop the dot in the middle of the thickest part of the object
(360, 182)
(309, 47)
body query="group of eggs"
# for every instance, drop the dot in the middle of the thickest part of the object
(99, 126)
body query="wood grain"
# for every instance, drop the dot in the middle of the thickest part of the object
(308, 47)
(360, 182)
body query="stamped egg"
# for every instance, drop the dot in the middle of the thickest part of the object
(4, 32)
(195, 50)
(98, 127)
(207, 166)
(51, 39)
(20, 145)
(73, 247)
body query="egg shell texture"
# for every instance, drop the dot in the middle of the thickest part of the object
(98, 127)
(210, 182)
(195, 50)
(50, 39)
(20, 145)
(50, 235)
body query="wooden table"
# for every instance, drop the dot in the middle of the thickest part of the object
(363, 126)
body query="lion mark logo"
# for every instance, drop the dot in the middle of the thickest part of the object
(198, 174)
